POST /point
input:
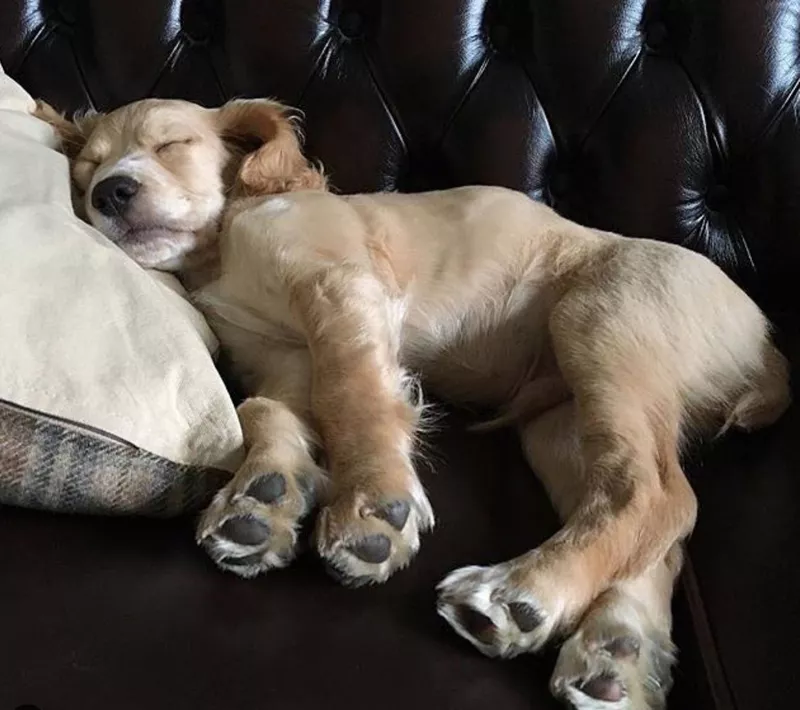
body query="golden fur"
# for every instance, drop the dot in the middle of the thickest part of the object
(603, 351)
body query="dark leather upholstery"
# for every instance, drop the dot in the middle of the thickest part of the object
(672, 119)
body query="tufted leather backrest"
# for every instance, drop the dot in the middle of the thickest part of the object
(672, 119)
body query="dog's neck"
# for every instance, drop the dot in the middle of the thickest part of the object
(202, 266)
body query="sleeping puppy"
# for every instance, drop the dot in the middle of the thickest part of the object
(602, 351)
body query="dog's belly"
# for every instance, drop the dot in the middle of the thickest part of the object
(472, 355)
(480, 354)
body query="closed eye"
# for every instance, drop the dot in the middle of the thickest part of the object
(163, 147)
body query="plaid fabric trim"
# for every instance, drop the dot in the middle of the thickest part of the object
(54, 464)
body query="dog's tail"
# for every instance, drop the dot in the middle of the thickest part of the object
(766, 397)
(531, 399)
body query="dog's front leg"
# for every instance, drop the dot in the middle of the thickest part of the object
(366, 411)
(254, 523)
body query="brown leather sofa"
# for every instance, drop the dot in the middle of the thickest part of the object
(677, 120)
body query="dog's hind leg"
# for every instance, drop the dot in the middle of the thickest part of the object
(620, 654)
(633, 505)
(619, 651)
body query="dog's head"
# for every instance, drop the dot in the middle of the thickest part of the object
(154, 176)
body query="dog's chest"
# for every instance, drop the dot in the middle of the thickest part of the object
(250, 330)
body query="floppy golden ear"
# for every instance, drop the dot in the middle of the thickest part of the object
(72, 134)
(275, 161)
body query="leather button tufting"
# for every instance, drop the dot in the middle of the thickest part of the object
(718, 197)
(67, 12)
(351, 24)
(500, 37)
(656, 35)
(197, 24)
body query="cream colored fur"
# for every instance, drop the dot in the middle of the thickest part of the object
(603, 351)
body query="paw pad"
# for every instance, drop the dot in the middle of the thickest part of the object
(623, 647)
(478, 625)
(245, 530)
(395, 513)
(603, 687)
(525, 616)
(373, 549)
(268, 487)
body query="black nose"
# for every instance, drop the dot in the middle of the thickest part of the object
(112, 195)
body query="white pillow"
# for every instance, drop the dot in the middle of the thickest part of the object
(109, 398)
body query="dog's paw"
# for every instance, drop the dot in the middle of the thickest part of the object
(364, 538)
(252, 524)
(608, 666)
(486, 608)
